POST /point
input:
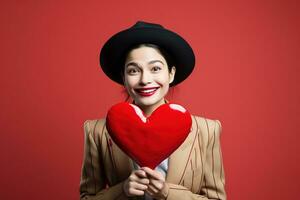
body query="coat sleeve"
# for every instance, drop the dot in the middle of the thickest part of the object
(214, 178)
(92, 183)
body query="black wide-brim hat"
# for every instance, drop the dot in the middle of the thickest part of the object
(112, 55)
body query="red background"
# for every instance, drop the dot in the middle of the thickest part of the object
(247, 76)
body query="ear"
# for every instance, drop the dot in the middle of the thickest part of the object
(172, 74)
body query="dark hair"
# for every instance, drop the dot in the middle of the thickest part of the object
(163, 52)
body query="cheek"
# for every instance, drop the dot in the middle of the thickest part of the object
(163, 80)
(130, 82)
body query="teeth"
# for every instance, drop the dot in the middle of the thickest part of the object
(148, 91)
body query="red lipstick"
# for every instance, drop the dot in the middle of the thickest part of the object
(146, 92)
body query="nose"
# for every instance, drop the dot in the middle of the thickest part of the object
(146, 78)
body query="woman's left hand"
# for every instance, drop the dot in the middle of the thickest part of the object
(157, 187)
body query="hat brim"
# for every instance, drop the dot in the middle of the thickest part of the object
(113, 52)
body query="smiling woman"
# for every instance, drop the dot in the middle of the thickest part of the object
(147, 77)
(147, 60)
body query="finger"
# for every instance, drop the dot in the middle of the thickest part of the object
(158, 184)
(152, 173)
(137, 186)
(152, 189)
(144, 181)
(135, 192)
(141, 173)
(150, 193)
(135, 178)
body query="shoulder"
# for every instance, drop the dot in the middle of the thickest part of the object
(207, 123)
(91, 124)
(207, 128)
(94, 127)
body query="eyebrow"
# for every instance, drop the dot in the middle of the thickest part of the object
(150, 62)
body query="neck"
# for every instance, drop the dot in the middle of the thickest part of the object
(148, 110)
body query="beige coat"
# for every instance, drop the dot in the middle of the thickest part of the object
(195, 169)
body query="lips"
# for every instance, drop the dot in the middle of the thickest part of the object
(146, 91)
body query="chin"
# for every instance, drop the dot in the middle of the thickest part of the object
(148, 102)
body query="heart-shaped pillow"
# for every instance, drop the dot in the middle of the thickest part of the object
(148, 140)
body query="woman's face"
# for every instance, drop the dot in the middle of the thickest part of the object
(146, 77)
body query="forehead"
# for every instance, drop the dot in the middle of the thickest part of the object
(144, 54)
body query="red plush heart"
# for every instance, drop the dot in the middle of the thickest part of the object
(150, 140)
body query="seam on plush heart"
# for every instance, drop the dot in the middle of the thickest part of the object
(139, 113)
(177, 107)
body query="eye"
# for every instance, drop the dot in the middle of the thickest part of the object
(156, 68)
(132, 71)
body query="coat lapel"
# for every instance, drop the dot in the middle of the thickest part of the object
(179, 160)
(122, 164)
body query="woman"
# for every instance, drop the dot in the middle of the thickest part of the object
(148, 59)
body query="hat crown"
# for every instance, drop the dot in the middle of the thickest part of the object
(116, 48)
(143, 24)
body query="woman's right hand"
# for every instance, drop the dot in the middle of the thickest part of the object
(136, 183)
